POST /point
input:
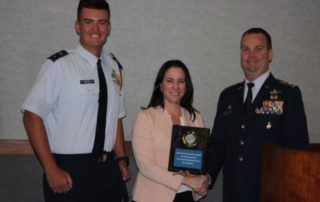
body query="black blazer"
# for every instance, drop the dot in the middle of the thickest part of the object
(277, 116)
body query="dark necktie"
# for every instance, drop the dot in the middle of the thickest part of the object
(248, 101)
(102, 112)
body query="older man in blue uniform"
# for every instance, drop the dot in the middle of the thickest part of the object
(258, 110)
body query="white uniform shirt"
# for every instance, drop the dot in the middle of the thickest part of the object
(65, 95)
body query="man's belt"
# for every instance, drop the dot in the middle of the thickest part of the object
(102, 158)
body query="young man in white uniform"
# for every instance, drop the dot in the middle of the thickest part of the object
(60, 116)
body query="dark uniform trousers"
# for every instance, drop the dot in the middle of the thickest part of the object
(184, 197)
(277, 117)
(92, 181)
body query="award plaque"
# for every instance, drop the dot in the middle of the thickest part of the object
(189, 149)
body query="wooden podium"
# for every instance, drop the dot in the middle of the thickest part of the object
(290, 175)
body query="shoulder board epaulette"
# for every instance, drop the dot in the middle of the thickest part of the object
(58, 55)
(115, 59)
(287, 83)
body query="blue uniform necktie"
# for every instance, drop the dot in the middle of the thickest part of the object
(248, 101)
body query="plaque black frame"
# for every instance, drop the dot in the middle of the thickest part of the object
(177, 141)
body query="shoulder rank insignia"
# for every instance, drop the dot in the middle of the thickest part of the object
(58, 55)
(274, 94)
(287, 83)
(117, 61)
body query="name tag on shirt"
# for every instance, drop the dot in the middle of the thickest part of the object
(89, 81)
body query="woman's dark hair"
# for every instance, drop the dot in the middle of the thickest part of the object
(95, 4)
(157, 98)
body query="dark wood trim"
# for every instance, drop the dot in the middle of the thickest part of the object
(15, 148)
(23, 148)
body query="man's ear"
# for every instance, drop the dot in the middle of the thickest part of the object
(270, 55)
(109, 29)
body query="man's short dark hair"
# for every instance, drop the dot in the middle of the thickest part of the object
(257, 30)
(95, 4)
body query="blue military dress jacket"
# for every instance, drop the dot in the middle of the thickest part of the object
(277, 117)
